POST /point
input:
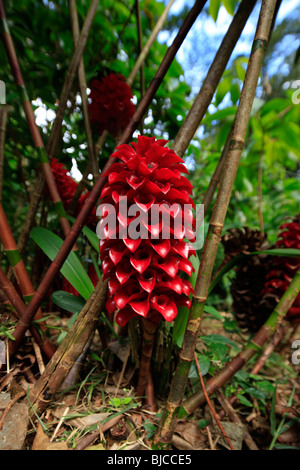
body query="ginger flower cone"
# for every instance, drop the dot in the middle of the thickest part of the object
(145, 234)
(282, 270)
(111, 106)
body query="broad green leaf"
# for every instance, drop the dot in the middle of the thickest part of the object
(222, 90)
(244, 400)
(183, 312)
(229, 5)
(212, 311)
(69, 302)
(219, 115)
(214, 6)
(72, 268)
(290, 252)
(204, 363)
(92, 237)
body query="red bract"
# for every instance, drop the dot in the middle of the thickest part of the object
(146, 272)
(111, 106)
(284, 268)
(65, 184)
(67, 187)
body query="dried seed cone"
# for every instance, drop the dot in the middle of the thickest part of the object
(145, 270)
(249, 278)
(282, 270)
(111, 106)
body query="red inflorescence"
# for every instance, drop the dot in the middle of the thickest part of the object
(65, 184)
(67, 187)
(111, 106)
(284, 268)
(145, 271)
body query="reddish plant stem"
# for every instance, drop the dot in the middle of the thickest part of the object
(34, 130)
(14, 258)
(213, 411)
(19, 306)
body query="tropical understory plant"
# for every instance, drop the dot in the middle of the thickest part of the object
(144, 299)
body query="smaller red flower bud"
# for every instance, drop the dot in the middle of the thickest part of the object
(284, 269)
(111, 106)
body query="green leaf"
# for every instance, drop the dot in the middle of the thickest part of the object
(68, 301)
(72, 268)
(273, 414)
(290, 252)
(244, 400)
(213, 312)
(229, 5)
(214, 6)
(90, 235)
(203, 423)
(183, 312)
(219, 339)
(204, 363)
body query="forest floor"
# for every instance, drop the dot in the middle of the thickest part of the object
(101, 412)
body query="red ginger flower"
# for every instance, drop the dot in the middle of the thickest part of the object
(67, 187)
(111, 106)
(145, 271)
(65, 184)
(284, 269)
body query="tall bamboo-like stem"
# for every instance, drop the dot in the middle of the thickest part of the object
(138, 64)
(215, 179)
(217, 221)
(15, 260)
(35, 133)
(55, 133)
(259, 189)
(83, 87)
(216, 70)
(140, 45)
(35, 199)
(19, 308)
(145, 51)
(69, 350)
(69, 80)
(4, 110)
(94, 194)
(254, 346)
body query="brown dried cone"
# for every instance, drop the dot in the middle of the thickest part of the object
(250, 275)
